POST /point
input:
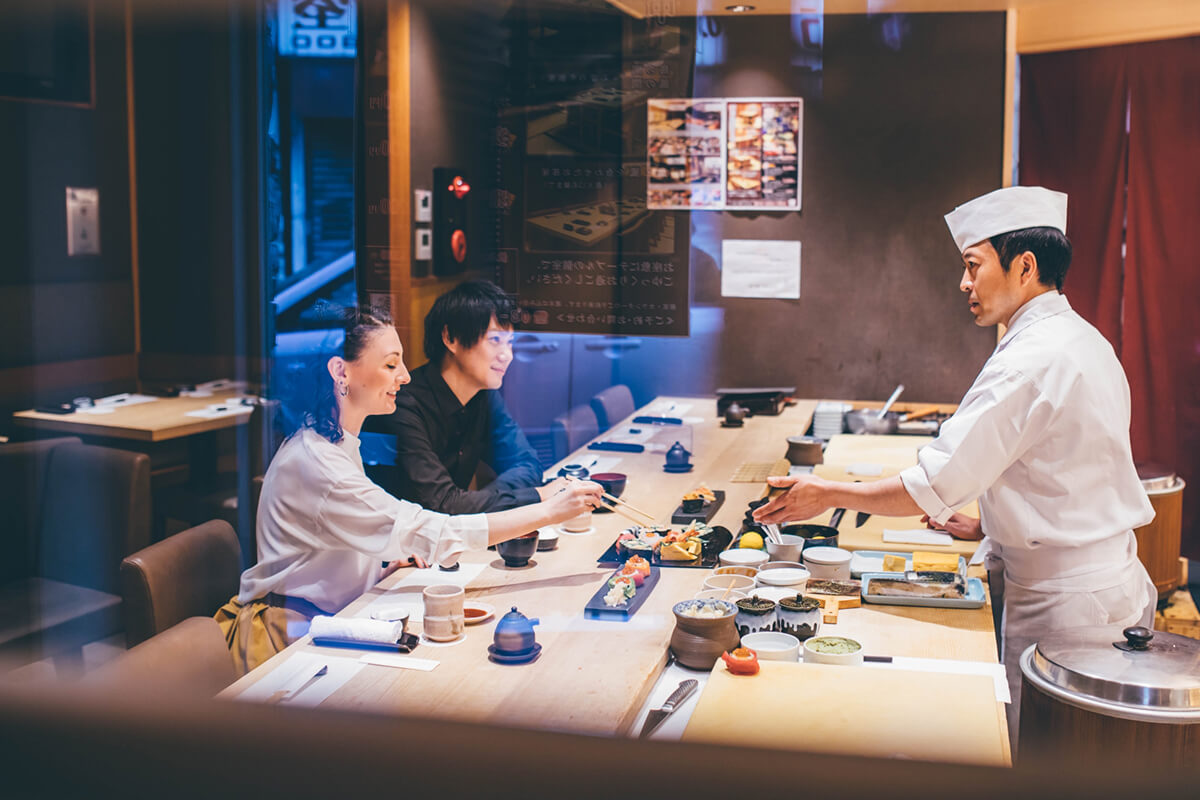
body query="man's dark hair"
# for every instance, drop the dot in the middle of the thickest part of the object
(1049, 246)
(465, 313)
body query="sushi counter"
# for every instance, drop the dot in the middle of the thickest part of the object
(595, 668)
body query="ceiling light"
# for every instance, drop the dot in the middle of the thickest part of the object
(739, 9)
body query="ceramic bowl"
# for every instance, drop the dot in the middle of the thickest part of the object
(741, 556)
(517, 552)
(739, 583)
(794, 578)
(773, 645)
(698, 642)
(813, 535)
(828, 563)
(789, 548)
(748, 571)
(733, 595)
(613, 482)
(547, 539)
(817, 650)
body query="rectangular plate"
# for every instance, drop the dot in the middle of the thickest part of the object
(872, 561)
(706, 561)
(596, 609)
(974, 598)
(705, 514)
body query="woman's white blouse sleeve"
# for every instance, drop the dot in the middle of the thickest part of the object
(1002, 415)
(364, 517)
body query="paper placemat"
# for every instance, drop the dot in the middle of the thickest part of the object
(918, 536)
(296, 671)
(398, 661)
(220, 410)
(407, 593)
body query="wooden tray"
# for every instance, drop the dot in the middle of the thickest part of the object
(596, 609)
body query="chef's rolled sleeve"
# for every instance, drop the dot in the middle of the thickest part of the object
(921, 490)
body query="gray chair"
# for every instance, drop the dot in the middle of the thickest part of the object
(612, 405)
(190, 574)
(189, 658)
(573, 430)
(89, 507)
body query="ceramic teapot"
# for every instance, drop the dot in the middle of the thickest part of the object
(514, 633)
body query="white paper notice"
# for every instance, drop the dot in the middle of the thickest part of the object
(760, 268)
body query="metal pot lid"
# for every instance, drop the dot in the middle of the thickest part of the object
(1155, 477)
(1143, 669)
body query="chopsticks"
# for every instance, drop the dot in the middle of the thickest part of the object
(618, 505)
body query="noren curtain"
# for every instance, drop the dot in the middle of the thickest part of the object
(1137, 185)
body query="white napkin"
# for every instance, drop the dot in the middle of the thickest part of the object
(356, 630)
(918, 536)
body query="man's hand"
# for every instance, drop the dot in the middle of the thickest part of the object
(960, 526)
(805, 498)
(552, 488)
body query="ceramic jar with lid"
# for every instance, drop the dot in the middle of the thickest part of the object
(800, 616)
(703, 630)
(755, 614)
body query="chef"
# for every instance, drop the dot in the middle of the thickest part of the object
(1041, 439)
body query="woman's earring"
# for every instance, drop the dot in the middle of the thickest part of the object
(343, 389)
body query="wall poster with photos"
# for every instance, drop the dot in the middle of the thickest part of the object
(717, 153)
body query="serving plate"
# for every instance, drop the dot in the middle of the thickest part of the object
(597, 609)
(706, 512)
(872, 561)
(974, 598)
(714, 543)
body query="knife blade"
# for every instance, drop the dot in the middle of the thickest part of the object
(862, 517)
(657, 715)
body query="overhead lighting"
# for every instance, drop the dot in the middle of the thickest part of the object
(739, 9)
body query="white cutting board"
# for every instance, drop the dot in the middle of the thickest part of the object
(888, 713)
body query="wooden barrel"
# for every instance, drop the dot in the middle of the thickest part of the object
(1159, 541)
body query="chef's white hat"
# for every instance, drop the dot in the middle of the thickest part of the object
(1004, 210)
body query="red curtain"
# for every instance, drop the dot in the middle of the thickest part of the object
(1143, 185)
(1073, 140)
(1161, 347)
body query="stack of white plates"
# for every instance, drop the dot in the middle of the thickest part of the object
(828, 419)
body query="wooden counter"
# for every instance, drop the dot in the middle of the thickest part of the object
(593, 676)
(164, 418)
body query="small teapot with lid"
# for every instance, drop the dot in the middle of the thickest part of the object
(514, 641)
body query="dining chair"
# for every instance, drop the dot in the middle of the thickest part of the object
(573, 430)
(191, 573)
(86, 511)
(190, 657)
(612, 405)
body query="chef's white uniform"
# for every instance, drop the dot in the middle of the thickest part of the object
(1042, 440)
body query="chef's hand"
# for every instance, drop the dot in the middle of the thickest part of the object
(419, 563)
(575, 498)
(552, 488)
(960, 526)
(804, 499)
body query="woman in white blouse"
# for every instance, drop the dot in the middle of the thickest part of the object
(324, 529)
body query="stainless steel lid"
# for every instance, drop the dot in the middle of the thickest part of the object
(1155, 477)
(1142, 669)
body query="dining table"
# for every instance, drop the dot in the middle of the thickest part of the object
(595, 676)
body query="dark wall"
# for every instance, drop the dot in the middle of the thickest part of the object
(196, 83)
(54, 307)
(909, 124)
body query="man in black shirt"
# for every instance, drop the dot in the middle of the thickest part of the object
(450, 418)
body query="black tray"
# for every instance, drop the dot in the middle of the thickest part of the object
(715, 542)
(706, 512)
(596, 609)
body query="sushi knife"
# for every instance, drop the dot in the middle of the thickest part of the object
(657, 715)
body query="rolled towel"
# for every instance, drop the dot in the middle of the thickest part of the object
(375, 631)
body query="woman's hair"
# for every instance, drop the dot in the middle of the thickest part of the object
(464, 313)
(309, 399)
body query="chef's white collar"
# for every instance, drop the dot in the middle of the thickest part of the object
(1047, 304)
